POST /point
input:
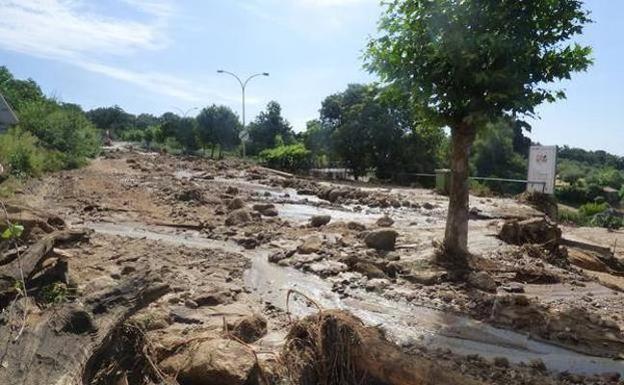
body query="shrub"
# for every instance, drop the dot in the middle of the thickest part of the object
(591, 209)
(293, 157)
(571, 216)
(20, 154)
(133, 135)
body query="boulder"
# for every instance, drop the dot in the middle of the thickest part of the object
(212, 362)
(357, 226)
(482, 281)
(381, 239)
(238, 217)
(534, 230)
(250, 329)
(385, 221)
(266, 209)
(310, 245)
(235, 204)
(319, 220)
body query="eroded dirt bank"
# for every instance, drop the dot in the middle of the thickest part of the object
(157, 269)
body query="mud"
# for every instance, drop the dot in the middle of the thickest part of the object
(230, 240)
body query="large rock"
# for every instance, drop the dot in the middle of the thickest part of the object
(238, 217)
(235, 204)
(266, 209)
(250, 329)
(483, 281)
(534, 230)
(310, 245)
(212, 362)
(381, 239)
(319, 220)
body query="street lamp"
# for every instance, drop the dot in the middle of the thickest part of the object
(243, 85)
(184, 113)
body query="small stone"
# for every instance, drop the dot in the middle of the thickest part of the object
(385, 221)
(356, 226)
(501, 362)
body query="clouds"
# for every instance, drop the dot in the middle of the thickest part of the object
(67, 29)
(78, 33)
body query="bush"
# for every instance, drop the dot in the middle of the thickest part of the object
(293, 157)
(66, 131)
(133, 135)
(20, 155)
(571, 217)
(591, 209)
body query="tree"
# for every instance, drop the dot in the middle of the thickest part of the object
(218, 125)
(493, 155)
(114, 119)
(318, 139)
(467, 63)
(266, 127)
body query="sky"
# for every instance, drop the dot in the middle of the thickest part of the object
(162, 55)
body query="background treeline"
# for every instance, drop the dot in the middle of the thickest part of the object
(370, 130)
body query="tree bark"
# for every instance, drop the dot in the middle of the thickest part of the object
(456, 234)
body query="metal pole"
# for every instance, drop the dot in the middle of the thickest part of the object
(243, 87)
(243, 141)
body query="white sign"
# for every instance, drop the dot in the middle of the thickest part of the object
(542, 169)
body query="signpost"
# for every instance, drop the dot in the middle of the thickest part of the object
(542, 169)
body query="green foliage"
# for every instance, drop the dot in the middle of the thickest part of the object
(598, 158)
(571, 216)
(318, 139)
(113, 119)
(373, 128)
(132, 135)
(51, 135)
(218, 126)
(591, 209)
(266, 127)
(493, 155)
(13, 231)
(63, 130)
(56, 292)
(472, 61)
(290, 157)
(20, 154)
(480, 189)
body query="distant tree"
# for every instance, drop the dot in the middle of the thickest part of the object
(264, 130)
(143, 121)
(493, 155)
(218, 125)
(468, 63)
(366, 131)
(182, 129)
(318, 139)
(114, 119)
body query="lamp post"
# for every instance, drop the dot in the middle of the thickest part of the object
(184, 113)
(243, 85)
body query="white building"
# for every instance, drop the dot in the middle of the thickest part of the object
(7, 116)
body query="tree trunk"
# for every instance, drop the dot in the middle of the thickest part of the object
(212, 146)
(456, 234)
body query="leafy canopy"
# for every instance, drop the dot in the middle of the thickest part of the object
(468, 62)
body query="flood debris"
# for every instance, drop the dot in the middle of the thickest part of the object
(333, 347)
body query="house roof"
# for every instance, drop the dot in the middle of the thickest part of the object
(7, 116)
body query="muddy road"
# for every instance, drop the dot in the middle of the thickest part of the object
(194, 271)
